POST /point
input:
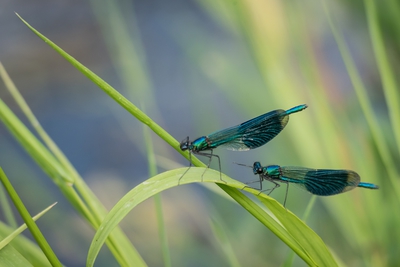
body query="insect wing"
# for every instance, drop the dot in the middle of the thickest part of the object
(252, 133)
(320, 181)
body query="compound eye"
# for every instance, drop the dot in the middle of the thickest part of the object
(184, 145)
(258, 170)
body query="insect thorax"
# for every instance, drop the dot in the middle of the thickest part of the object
(200, 144)
(273, 171)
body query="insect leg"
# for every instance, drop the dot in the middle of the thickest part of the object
(210, 155)
(276, 185)
(190, 165)
(287, 190)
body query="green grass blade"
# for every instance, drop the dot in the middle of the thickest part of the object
(169, 179)
(34, 229)
(10, 257)
(144, 191)
(41, 155)
(307, 238)
(6, 207)
(290, 257)
(366, 106)
(239, 197)
(390, 87)
(61, 167)
(20, 229)
(122, 35)
(118, 97)
(28, 249)
(157, 199)
(32, 119)
(275, 226)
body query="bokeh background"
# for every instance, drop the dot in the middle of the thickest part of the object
(196, 67)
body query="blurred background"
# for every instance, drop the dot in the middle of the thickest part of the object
(196, 67)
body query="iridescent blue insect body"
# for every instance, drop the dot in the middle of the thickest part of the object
(320, 182)
(248, 135)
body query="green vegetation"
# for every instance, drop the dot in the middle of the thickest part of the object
(340, 129)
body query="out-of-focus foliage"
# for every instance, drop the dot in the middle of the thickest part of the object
(200, 66)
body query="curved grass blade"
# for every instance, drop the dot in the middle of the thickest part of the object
(144, 191)
(266, 219)
(306, 238)
(290, 257)
(169, 179)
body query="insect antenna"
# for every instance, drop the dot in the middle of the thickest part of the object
(242, 164)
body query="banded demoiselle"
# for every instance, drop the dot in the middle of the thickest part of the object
(248, 135)
(322, 182)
